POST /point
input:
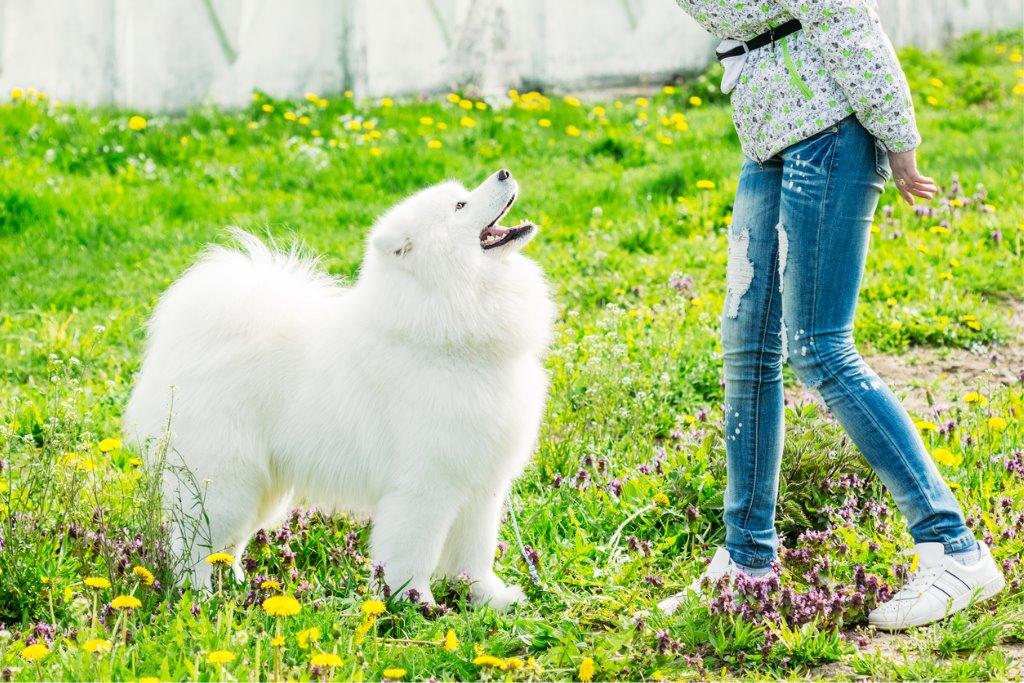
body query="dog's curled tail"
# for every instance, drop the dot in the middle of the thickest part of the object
(232, 292)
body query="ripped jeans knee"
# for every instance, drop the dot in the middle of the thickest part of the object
(739, 271)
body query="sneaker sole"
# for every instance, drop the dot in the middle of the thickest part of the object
(986, 591)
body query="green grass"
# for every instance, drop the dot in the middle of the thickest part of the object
(96, 219)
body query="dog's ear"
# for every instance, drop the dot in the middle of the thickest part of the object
(392, 244)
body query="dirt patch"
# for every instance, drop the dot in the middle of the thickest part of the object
(923, 377)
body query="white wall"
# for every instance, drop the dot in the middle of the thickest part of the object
(169, 54)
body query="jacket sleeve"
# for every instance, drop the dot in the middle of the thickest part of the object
(859, 56)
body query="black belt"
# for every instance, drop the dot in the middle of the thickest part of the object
(766, 38)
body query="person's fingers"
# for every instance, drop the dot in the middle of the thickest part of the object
(921, 181)
(907, 197)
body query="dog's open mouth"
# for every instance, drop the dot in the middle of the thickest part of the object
(495, 236)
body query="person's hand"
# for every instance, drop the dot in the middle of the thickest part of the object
(909, 181)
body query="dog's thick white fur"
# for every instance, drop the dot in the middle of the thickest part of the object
(414, 396)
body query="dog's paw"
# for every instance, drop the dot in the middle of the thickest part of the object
(498, 596)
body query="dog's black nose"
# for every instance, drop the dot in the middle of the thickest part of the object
(503, 174)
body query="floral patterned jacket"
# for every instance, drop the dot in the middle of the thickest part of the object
(840, 63)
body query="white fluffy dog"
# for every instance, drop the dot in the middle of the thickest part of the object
(414, 396)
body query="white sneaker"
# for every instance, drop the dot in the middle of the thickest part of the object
(939, 587)
(721, 565)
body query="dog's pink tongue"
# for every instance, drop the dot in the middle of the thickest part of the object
(493, 231)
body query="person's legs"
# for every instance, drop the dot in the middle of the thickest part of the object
(752, 355)
(830, 188)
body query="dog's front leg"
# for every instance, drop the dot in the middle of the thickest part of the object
(407, 538)
(470, 550)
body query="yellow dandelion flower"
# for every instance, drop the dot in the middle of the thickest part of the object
(466, 104)
(996, 423)
(481, 105)
(394, 673)
(587, 669)
(669, 90)
(544, 123)
(937, 82)
(453, 98)
(108, 445)
(467, 122)
(304, 120)
(895, 325)
(312, 97)
(97, 646)
(572, 131)
(347, 94)
(974, 325)
(641, 102)
(281, 606)
(925, 426)
(144, 574)
(1016, 57)
(291, 116)
(369, 125)
(137, 123)
(277, 641)
(932, 100)
(660, 499)
(434, 144)
(695, 101)
(489, 660)
(513, 663)
(148, 679)
(126, 602)
(946, 457)
(220, 657)
(373, 608)
(96, 582)
(451, 641)
(267, 108)
(571, 101)
(325, 660)
(17, 93)
(387, 102)
(271, 584)
(705, 184)
(224, 559)
(441, 125)
(33, 653)
(307, 636)
(376, 151)
(956, 203)
(426, 121)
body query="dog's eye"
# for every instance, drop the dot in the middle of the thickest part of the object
(460, 205)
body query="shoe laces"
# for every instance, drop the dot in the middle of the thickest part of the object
(921, 580)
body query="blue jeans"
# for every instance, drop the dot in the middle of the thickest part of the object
(797, 246)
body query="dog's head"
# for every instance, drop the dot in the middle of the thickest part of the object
(449, 227)
(445, 271)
